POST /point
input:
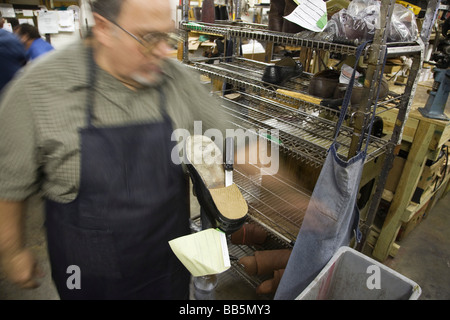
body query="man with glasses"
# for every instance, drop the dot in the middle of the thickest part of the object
(89, 127)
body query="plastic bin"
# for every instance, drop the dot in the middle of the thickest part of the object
(351, 275)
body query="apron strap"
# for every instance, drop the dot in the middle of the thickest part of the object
(348, 93)
(163, 102)
(92, 78)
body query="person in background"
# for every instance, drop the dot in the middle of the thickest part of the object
(12, 55)
(14, 23)
(32, 40)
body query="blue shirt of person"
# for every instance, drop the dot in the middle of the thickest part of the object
(12, 56)
(37, 48)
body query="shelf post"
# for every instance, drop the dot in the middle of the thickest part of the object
(185, 12)
(374, 70)
(390, 227)
(430, 18)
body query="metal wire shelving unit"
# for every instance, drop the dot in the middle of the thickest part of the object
(246, 76)
(306, 129)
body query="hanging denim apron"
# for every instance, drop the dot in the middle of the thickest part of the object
(132, 200)
(332, 217)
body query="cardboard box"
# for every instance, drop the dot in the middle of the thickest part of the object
(255, 56)
(254, 51)
(401, 80)
(392, 68)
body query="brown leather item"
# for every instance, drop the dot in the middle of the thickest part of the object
(290, 27)
(323, 84)
(279, 9)
(250, 234)
(197, 13)
(249, 264)
(358, 92)
(271, 285)
(266, 261)
(269, 260)
(208, 11)
(276, 13)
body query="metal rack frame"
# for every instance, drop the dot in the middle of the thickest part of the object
(305, 135)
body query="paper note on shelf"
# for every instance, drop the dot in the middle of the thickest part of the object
(66, 21)
(48, 22)
(202, 253)
(310, 14)
(7, 10)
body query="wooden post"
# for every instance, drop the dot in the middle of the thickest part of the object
(406, 186)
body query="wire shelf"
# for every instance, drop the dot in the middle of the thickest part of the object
(252, 71)
(274, 203)
(261, 33)
(302, 135)
(247, 74)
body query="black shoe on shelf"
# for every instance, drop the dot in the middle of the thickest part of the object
(282, 71)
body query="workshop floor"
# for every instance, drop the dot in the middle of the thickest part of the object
(424, 257)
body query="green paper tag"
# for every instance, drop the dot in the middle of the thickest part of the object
(322, 21)
(194, 26)
(273, 139)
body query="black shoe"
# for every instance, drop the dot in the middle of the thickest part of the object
(217, 12)
(377, 127)
(224, 207)
(282, 71)
(223, 13)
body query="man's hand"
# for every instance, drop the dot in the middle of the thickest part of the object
(16, 261)
(22, 269)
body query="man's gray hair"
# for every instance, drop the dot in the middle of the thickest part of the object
(110, 9)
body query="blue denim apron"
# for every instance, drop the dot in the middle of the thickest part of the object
(332, 217)
(132, 200)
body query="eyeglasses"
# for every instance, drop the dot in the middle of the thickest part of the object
(152, 39)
